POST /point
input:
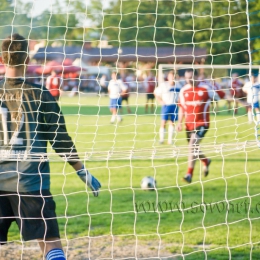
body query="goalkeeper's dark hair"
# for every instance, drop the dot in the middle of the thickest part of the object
(14, 50)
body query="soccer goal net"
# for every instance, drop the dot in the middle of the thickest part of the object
(164, 217)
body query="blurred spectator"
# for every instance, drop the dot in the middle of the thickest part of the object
(131, 81)
(53, 84)
(218, 89)
(92, 83)
(83, 83)
(236, 86)
(74, 87)
(150, 83)
(103, 84)
(236, 93)
(125, 96)
(65, 86)
(213, 85)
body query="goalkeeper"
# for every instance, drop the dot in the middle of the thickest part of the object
(29, 119)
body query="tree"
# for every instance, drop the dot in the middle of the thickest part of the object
(221, 28)
(12, 18)
(254, 17)
(61, 24)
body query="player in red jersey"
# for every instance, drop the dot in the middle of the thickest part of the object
(53, 83)
(194, 105)
(236, 93)
(236, 87)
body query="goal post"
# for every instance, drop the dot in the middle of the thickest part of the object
(211, 69)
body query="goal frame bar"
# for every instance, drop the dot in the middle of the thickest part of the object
(203, 66)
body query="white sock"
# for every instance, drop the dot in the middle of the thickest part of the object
(113, 118)
(170, 133)
(119, 118)
(161, 134)
(250, 116)
(258, 117)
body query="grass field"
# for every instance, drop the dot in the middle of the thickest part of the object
(215, 217)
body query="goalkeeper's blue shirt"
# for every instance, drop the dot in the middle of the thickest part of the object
(29, 119)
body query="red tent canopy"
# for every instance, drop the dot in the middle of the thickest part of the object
(60, 67)
(67, 62)
(32, 67)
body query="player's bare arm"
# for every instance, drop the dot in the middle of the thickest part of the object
(180, 120)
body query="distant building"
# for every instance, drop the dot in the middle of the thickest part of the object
(94, 56)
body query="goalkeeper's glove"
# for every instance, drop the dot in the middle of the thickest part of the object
(90, 180)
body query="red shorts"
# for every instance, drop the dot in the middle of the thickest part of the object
(236, 93)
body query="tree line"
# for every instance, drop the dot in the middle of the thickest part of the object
(225, 28)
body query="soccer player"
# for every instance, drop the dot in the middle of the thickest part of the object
(251, 88)
(150, 83)
(53, 83)
(30, 118)
(218, 89)
(103, 83)
(116, 88)
(212, 84)
(125, 95)
(194, 104)
(236, 93)
(167, 94)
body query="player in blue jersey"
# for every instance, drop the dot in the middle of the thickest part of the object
(30, 118)
(167, 93)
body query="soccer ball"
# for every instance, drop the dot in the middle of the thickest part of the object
(148, 183)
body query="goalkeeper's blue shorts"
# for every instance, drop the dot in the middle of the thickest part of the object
(34, 213)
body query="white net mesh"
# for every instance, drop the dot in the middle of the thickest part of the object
(216, 217)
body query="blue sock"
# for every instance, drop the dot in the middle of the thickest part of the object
(55, 254)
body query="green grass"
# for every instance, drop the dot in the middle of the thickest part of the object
(227, 228)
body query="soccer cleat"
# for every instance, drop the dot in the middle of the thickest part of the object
(187, 178)
(206, 168)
